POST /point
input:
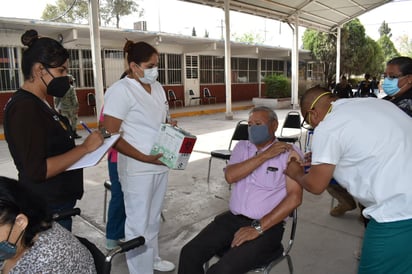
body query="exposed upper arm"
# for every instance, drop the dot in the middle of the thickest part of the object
(111, 123)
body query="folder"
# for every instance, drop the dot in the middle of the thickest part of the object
(94, 157)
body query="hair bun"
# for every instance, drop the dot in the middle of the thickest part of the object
(128, 46)
(29, 37)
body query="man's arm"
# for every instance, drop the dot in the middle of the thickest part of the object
(292, 200)
(316, 180)
(238, 171)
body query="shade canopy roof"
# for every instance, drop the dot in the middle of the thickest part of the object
(322, 15)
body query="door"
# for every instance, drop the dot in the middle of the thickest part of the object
(192, 79)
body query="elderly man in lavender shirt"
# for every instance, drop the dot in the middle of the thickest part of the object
(261, 199)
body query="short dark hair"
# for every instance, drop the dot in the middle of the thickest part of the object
(44, 50)
(16, 199)
(404, 63)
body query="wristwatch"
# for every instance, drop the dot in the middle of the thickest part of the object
(256, 225)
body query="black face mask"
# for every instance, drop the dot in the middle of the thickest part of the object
(58, 86)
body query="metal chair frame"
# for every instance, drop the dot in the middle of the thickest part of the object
(171, 97)
(194, 97)
(284, 255)
(240, 133)
(292, 122)
(207, 95)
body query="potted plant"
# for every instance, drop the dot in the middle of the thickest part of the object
(276, 86)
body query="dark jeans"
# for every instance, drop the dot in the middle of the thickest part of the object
(66, 223)
(116, 215)
(216, 238)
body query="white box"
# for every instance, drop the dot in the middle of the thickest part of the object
(175, 144)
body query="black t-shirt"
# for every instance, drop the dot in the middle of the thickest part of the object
(35, 132)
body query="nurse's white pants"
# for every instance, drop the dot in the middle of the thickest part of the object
(143, 199)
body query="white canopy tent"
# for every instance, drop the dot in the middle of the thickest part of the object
(322, 15)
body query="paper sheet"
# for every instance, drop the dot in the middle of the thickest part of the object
(92, 158)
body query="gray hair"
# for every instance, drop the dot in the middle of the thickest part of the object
(271, 113)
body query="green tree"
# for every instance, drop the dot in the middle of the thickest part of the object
(388, 48)
(323, 48)
(359, 53)
(77, 11)
(384, 29)
(405, 45)
(194, 32)
(250, 38)
(353, 48)
(67, 11)
(113, 10)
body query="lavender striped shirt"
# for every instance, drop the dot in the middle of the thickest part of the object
(258, 193)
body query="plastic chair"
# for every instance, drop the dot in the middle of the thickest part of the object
(91, 101)
(240, 133)
(281, 254)
(208, 96)
(102, 262)
(171, 97)
(194, 97)
(291, 130)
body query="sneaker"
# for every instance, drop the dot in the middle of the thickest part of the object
(163, 265)
(111, 244)
(340, 209)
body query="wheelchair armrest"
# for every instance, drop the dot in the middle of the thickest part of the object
(65, 214)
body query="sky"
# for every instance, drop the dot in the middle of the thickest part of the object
(159, 17)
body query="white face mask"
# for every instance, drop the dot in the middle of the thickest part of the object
(150, 75)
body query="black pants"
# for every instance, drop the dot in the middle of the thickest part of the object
(216, 239)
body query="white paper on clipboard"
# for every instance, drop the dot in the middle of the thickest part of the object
(92, 158)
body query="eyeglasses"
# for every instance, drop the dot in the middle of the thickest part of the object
(395, 76)
(306, 123)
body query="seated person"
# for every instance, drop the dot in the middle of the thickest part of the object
(30, 242)
(261, 199)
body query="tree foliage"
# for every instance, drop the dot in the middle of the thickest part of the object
(77, 11)
(247, 37)
(67, 11)
(113, 10)
(384, 29)
(405, 45)
(359, 53)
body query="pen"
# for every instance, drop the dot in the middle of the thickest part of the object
(85, 127)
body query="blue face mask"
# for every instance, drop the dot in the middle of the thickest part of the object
(258, 134)
(390, 86)
(7, 249)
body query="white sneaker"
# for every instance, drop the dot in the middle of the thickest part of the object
(163, 266)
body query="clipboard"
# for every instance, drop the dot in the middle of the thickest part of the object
(94, 157)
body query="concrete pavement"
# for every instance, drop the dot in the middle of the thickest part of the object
(323, 244)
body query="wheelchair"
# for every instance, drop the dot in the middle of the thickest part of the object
(103, 262)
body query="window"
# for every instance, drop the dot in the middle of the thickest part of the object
(244, 70)
(192, 66)
(9, 69)
(81, 67)
(212, 70)
(87, 73)
(269, 67)
(170, 69)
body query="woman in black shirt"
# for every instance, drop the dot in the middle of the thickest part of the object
(40, 140)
